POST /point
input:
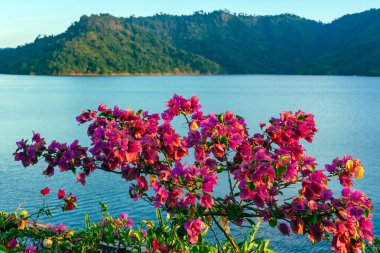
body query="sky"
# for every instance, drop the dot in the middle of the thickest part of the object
(21, 21)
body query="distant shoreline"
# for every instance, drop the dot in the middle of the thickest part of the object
(127, 74)
(175, 74)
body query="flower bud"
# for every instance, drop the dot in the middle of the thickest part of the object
(192, 212)
(227, 229)
(152, 179)
(11, 244)
(47, 243)
(359, 171)
(21, 224)
(223, 221)
(23, 214)
(194, 126)
(284, 229)
(150, 224)
(208, 218)
(349, 165)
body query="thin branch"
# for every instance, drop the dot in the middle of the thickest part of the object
(236, 183)
(112, 171)
(230, 184)
(216, 237)
(226, 235)
(187, 120)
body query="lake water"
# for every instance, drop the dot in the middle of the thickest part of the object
(347, 111)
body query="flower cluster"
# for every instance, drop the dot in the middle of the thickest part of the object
(346, 168)
(117, 233)
(147, 150)
(69, 200)
(353, 224)
(65, 157)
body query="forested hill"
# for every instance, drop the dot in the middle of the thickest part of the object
(217, 42)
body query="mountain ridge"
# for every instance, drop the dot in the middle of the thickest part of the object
(204, 43)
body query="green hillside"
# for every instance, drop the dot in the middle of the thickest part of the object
(217, 42)
(102, 45)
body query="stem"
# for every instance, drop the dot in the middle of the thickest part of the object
(236, 183)
(233, 243)
(232, 188)
(216, 237)
(285, 185)
(230, 183)
(187, 120)
(112, 171)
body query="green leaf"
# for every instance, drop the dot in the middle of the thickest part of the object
(233, 214)
(220, 117)
(251, 222)
(314, 219)
(277, 172)
(283, 169)
(87, 220)
(251, 186)
(223, 139)
(159, 217)
(3, 249)
(103, 207)
(273, 222)
(205, 232)
(366, 211)
(300, 117)
(2, 223)
(73, 169)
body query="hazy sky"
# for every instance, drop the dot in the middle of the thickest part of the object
(21, 21)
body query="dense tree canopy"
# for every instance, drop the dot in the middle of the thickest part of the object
(217, 42)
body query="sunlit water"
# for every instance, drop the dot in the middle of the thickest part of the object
(347, 111)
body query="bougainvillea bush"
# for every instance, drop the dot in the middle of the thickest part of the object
(148, 152)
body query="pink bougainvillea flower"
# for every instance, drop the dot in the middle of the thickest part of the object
(297, 226)
(85, 116)
(30, 249)
(81, 177)
(142, 184)
(284, 229)
(102, 108)
(298, 205)
(61, 194)
(235, 141)
(45, 191)
(161, 196)
(60, 228)
(206, 201)
(194, 228)
(209, 181)
(130, 223)
(188, 199)
(326, 195)
(70, 202)
(156, 247)
(11, 244)
(124, 216)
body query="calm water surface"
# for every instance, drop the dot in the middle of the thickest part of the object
(347, 111)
